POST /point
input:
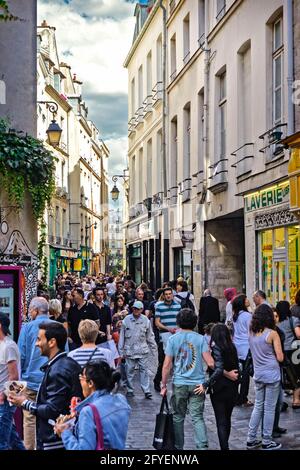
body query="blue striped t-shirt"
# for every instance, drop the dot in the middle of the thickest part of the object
(167, 313)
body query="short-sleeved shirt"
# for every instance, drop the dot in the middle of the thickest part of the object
(83, 355)
(186, 348)
(105, 319)
(285, 326)
(8, 352)
(241, 334)
(167, 313)
(86, 312)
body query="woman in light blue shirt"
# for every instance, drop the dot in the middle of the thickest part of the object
(241, 323)
(97, 381)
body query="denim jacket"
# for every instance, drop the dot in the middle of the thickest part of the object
(114, 412)
(31, 359)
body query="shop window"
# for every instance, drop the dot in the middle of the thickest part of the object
(267, 262)
(280, 263)
(294, 261)
(279, 238)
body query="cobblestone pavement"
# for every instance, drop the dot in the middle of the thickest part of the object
(142, 422)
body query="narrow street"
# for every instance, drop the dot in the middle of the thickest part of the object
(142, 423)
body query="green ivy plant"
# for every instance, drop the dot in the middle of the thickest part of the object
(5, 14)
(26, 165)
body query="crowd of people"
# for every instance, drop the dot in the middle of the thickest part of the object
(78, 350)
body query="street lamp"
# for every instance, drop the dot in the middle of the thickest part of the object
(54, 131)
(87, 227)
(115, 191)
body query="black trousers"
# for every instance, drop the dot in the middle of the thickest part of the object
(161, 358)
(223, 403)
(244, 387)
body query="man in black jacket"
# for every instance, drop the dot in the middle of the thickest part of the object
(60, 383)
(209, 311)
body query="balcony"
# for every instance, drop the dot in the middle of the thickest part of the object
(218, 176)
(201, 41)
(185, 188)
(131, 125)
(157, 201)
(173, 75)
(272, 139)
(147, 103)
(198, 184)
(139, 116)
(173, 195)
(148, 204)
(131, 212)
(245, 158)
(172, 6)
(157, 93)
(61, 192)
(186, 57)
(221, 12)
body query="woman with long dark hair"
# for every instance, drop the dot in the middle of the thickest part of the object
(241, 323)
(223, 390)
(266, 352)
(97, 382)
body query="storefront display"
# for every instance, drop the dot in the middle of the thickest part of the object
(280, 262)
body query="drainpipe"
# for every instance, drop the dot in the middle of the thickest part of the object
(207, 58)
(164, 100)
(290, 66)
(206, 101)
(165, 237)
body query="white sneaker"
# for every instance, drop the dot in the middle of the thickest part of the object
(271, 446)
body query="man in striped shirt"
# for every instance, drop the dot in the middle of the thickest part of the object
(165, 315)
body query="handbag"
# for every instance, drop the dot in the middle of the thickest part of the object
(289, 379)
(97, 419)
(164, 431)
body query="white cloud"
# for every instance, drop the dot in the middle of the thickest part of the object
(94, 37)
(95, 48)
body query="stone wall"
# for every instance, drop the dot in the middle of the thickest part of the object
(224, 254)
(18, 67)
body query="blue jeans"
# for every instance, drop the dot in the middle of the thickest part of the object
(9, 438)
(184, 397)
(266, 396)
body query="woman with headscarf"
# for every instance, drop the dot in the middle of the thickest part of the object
(229, 294)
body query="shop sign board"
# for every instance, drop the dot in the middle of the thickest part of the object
(268, 197)
(68, 254)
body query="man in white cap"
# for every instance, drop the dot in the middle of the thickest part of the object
(136, 341)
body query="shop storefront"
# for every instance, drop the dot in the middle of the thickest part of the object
(277, 242)
(183, 256)
(61, 261)
(134, 261)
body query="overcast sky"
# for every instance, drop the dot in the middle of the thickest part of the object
(94, 37)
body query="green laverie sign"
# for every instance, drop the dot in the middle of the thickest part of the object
(267, 198)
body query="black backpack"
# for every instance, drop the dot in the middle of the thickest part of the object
(186, 302)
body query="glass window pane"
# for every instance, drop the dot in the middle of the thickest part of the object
(279, 237)
(277, 71)
(277, 104)
(280, 281)
(294, 261)
(222, 86)
(267, 260)
(277, 35)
